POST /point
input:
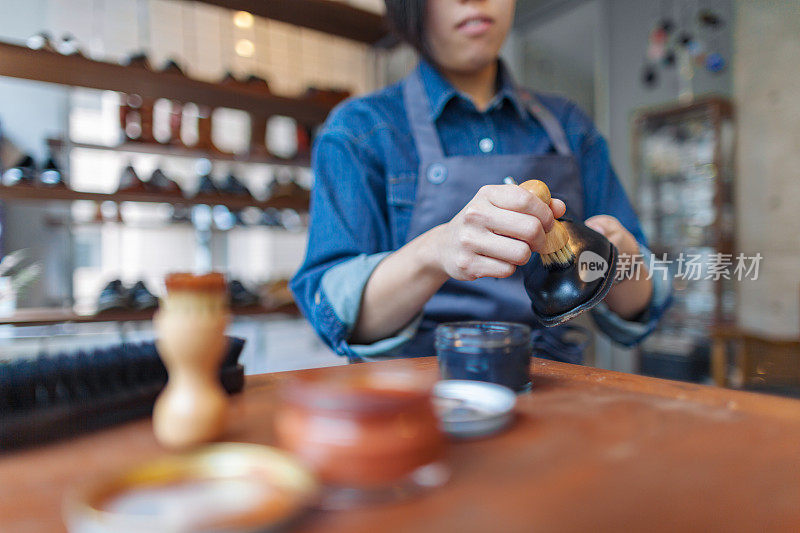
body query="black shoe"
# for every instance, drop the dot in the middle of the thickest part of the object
(161, 183)
(68, 46)
(138, 60)
(41, 41)
(257, 82)
(272, 218)
(181, 214)
(172, 66)
(51, 175)
(207, 186)
(231, 185)
(129, 181)
(240, 296)
(112, 297)
(23, 173)
(560, 293)
(139, 298)
(230, 79)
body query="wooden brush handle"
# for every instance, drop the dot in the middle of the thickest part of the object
(557, 238)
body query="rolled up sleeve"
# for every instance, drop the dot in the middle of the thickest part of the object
(631, 332)
(343, 286)
(348, 234)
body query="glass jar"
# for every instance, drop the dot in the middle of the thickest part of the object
(497, 352)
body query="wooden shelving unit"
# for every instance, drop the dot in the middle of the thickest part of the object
(181, 151)
(38, 194)
(334, 18)
(77, 71)
(50, 316)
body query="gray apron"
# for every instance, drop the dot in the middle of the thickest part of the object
(446, 184)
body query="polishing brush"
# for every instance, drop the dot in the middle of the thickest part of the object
(557, 251)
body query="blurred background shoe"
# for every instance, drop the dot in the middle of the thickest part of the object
(181, 214)
(240, 296)
(139, 60)
(230, 80)
(161, 183)
(51, 175)
(172, 66)
(113, 297)
(139, 298)
(271, 217)
(232, 185)
(129, 181)
(41, 41)
(207, 187)
(22, 173)
(68, 45)
(257, 82)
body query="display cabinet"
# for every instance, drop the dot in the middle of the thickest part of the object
(683, 163)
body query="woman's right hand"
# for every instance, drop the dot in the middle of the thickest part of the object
(496, 232)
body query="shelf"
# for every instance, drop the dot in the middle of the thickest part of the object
(335, 18)
(73, 70)
(49, 316)
(181, 151)
(37, 194)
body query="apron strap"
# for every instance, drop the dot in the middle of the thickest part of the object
(548, 121)
(418, 110)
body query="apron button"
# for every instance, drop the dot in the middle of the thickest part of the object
(486, 145)
(437, 173)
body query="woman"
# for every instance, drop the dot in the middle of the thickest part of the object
(411, 224)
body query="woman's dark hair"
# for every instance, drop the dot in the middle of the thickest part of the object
(407, 18)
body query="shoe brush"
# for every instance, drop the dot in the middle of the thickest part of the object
(557, 252)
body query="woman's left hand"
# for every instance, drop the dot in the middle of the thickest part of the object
(629, 298)
(613, 230)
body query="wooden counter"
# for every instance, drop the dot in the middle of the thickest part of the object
(591, 450)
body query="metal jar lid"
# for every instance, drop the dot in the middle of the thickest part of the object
(473, 408)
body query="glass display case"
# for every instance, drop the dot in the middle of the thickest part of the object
(683, 162)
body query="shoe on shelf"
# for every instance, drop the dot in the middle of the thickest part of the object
(51, 175)
(240, 296)
(207, 186)
(231, 185)
(113, 297)
(139, 298)
(271, 217)
(23, 173)
(161, 183)
(138, 60)
(41, 41)
(68, 46)
(129, 181)
(230, 80)
(257, 82)
(172, 66)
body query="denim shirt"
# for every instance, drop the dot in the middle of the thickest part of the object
(365, 168)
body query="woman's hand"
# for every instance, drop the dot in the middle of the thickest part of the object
(613, 230)
(494, 234)
(632, 296)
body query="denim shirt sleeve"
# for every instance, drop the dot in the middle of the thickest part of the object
(605, 195)
(348, 237)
